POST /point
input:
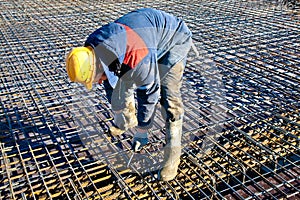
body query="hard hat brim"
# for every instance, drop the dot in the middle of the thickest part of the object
(89, 85)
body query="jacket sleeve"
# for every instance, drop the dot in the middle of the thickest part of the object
(147, 97)
(148, 90)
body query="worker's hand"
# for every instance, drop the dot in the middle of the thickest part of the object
(140, 139)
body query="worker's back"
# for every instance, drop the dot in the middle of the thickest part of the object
(160, 30)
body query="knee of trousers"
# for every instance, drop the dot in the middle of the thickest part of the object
(172, 109)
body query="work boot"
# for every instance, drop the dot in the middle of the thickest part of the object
(172, 151)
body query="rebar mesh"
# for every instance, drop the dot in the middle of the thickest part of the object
(241, 97)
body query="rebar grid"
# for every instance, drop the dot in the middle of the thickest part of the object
(241, 97)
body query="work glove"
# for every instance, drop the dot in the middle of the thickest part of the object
(124, 120)
(140, 139)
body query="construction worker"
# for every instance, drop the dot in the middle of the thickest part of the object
(143, 52)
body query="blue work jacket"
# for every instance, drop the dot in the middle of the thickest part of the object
(136, 51)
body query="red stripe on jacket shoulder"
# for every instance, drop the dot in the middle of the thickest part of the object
(136, 49)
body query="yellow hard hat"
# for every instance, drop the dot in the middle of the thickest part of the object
(81, 65)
